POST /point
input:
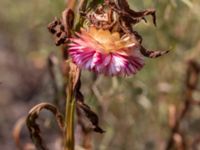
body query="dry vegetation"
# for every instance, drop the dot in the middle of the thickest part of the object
(137, 112)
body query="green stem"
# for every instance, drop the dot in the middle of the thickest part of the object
(69, 141)
(69, 118)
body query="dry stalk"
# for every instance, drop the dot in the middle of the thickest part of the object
(176, 138)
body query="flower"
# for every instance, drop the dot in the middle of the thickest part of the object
(106, 52)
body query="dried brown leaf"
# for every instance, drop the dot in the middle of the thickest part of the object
(33, 127)
(85, 114)
(68, 21)
(152, 54)
(129, 15)
(61, 28)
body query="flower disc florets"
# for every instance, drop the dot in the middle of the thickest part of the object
(106, 52)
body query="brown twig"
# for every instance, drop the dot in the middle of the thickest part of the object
(191, 82)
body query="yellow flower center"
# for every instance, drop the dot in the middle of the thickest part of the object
(109, 41)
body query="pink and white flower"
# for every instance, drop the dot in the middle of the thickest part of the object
(106, 52)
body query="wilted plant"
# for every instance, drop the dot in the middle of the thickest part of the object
(100, 38)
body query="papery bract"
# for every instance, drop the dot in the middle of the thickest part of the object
(105, 52)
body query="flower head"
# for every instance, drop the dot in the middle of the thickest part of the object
(106, 52)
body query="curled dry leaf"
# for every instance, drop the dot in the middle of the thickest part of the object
(122, 7)
(117, 16)
(85, 114)
(152, 54)
(57, 29)
(33, 127)
(61, 28)
(129, 17)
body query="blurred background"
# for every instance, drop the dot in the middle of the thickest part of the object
(134, 111)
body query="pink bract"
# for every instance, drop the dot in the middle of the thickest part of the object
(106, 53)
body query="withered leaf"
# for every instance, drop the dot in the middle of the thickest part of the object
(129, 15)
(34, 128)
(68, 21)
(123, 4)
(57, 29)
(83, 110)
(152, 54)
(61, 28)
